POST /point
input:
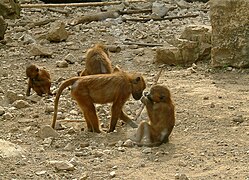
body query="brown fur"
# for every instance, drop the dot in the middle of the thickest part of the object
(97, 61)
(103, 88)
(39, 80)
(161, 112)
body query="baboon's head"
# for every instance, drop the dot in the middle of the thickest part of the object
(138, 86)
(32, 71)
(159, 93)
(103, 48)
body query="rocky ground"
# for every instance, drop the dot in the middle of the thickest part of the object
(209, 141)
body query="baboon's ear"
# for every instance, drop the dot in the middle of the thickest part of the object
(116, 69)
(136, 80)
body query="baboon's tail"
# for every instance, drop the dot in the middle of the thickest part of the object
(64, 85)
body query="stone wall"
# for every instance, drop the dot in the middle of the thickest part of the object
(230, 33)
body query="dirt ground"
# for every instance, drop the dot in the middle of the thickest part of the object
(211, 136)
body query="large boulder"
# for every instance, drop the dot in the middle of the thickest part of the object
(3, 27)
(193, 45)
(230, 33)
(10, 9)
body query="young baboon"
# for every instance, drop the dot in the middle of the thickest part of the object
(97, 61)
(39, 80)
(161, 112)
(113, 88)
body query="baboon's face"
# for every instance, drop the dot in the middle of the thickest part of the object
(32, 71)
(138, 86)
(158, 93)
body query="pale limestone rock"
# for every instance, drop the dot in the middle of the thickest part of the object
(13, 96)
(61, 64)
(8, 149)
(159, 8)
(62, 165)
(230, 33)
(47, 131)
(19, 104)
(57, 32)
(193, 45)
(38, 50)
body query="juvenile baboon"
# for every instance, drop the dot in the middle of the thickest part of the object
(97, 61)
(161, 112)
(114, 88)
(39, 80)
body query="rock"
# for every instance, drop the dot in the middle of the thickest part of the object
(2, 111)
(34, 98)
(39, 173)
(69, 147)
(47, 142)
(8, 116)
(70, 59)
(230, 33)
(180, 176)
(38, 50)
(12, 96)
(168, 55)
(49, 109)
(73, 112)
(159, 8)
(202, 35)
(21, 104)
(61, 64)
(47, 131)
(84, 176)
(57, 32)
(1, 90)
(147, 151)
(10, 9)
(3, 27)
(182, 4)
(8, 149)
(112, 174)
(212, 105)
(62, 165)
(128, 143)
(27, 39)
(238, 119)
(194, 44)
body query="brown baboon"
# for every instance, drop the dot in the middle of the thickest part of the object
(39, 80)
(97, 61)
(161, 112)
(113, 88)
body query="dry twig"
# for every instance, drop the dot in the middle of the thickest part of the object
(159, 19)
(76, 4)
(104, 15)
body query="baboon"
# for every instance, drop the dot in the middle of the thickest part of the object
(161, 112)
(113, 88)
(39, 80)
(97, 61)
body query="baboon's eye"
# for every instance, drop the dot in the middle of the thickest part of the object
(162, 97)
(37, 69)
(137, 79)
